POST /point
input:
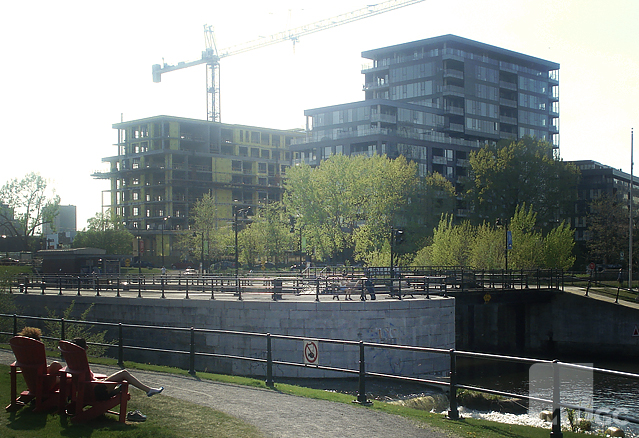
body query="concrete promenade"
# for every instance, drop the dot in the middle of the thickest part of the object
(280, 415)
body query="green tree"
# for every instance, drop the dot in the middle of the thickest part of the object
(268, 237)
(558, 247)
(528, 244)
(347, 205)
(88, 332)
(31, 205)
(508, 174)
(451, 243)
(105, 231)
(608, 228)
(487, 249)
(218, 240)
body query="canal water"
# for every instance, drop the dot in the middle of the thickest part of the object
(600, 392)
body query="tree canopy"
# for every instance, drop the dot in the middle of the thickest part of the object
(30, 204)
(508, 174)
(105, 231)
(347, 205)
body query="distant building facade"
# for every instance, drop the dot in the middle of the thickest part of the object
(165, 164)
(62, 231)
(599, 180)
(436, 100)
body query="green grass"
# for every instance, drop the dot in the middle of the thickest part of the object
(169, 417)
(166, 418)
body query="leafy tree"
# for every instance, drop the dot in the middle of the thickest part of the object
(88, 332)
(218, 240)
(608, 228)
(487, 250)
(558, 247)
(30, 206)
(105, 231)
(347, 205)
(483, 246)
(509, 174)
(451, 243)
(268, 237)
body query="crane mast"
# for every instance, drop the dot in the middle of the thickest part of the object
(211, 56)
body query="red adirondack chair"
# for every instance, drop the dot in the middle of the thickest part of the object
(31, 362)
(84, 405)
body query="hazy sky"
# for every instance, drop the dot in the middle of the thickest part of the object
(72, 69)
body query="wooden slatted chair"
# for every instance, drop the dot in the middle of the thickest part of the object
(84, 405)
(31, 362)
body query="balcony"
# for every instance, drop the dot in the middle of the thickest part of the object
(374, 86)
(508, 102)
(508, 85)
(451, 73)
(508, 120)
(385, 118)
(454, 127)
(453, 90)
(457, 110)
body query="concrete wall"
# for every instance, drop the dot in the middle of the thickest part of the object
(424, 323)
(546, 323)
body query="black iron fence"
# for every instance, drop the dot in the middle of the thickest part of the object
(361, 282)
(359, 348)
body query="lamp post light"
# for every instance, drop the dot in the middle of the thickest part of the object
(202, 255)
(163, 227)
(236, 211)
(509, 242)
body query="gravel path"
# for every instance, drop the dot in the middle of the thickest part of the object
(280, 415)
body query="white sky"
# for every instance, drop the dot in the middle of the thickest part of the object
(70, 69)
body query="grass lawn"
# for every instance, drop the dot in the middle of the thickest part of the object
(166, 418)
(169, 417)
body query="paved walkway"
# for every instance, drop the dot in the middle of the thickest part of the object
(280, 415)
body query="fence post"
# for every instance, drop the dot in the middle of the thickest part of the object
(62, 333)
(187, 289)
(361, 393)
(42, 286)
(555, 431)
(15, 324)
(212, 288)
(139, 286)
(238, 285)
(79, 284)
(192, 353)
(162, 286)
(317, 289)
(120, 347)
(117, 282)
(269, 362)
(453, 413)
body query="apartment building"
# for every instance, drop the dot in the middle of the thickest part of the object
(436, 100)
(164, 164)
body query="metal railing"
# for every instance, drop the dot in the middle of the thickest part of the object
(420, 281)
(359, 348)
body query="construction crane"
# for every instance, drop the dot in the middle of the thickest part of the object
(211, 56)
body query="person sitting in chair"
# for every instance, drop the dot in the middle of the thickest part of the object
(121, 376)
(55, 366)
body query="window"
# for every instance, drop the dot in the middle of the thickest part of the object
(255, 153)
(243, 151)
(236, 166)
(265, 138)
(136, 196)
(266, 153)
(261, 167)
(255, 137)
(136, 211)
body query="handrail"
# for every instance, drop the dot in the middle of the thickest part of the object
(405, 281)
(451, 383)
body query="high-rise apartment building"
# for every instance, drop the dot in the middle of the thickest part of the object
(165, 164)
(436, 100)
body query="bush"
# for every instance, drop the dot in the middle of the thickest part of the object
(75, 330)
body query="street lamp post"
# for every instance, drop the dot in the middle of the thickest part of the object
(508, 244)
(236, 211)
(202, 255)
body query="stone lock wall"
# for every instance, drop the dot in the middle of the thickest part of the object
(418, 322)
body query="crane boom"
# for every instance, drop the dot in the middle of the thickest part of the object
(211, 57)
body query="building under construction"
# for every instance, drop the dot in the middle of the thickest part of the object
(164, 164)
